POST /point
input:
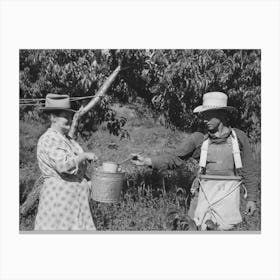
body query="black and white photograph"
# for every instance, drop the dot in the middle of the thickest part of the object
(140, 140)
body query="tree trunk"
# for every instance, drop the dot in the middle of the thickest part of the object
(95, 100)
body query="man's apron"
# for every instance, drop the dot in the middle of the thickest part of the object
(218, 189)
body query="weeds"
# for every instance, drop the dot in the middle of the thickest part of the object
(151, 200)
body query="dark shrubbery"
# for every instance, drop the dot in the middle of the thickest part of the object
(171, 82)
(153, 100)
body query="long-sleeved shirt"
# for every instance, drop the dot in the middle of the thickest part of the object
(191, 147)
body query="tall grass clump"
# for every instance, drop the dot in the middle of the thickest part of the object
(151, 200)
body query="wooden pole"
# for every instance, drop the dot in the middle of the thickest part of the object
(94, 101)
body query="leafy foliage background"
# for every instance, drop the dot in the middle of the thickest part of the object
(169, 82)
(148, 109)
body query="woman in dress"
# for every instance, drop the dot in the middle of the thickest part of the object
(64, 198)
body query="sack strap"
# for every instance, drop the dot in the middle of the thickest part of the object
(236, 150)
(203, 153)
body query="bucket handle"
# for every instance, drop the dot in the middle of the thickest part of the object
(127, 159)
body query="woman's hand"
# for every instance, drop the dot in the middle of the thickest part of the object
(86, 156)
(91, 156)
(139, 160)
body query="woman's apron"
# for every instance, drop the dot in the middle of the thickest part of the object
(217, 187)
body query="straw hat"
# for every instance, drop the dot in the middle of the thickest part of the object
(213, 101)
(57, 102)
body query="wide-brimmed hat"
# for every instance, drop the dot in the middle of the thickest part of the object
(57, 102)
(214, 101)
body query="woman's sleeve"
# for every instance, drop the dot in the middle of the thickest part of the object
(62, 159)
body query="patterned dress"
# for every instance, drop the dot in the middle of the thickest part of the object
(64, 203)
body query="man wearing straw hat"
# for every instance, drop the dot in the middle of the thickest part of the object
(226, 164)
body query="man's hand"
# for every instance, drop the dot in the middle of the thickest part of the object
(250, 208)
(139, 160)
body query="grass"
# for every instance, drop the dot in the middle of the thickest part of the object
(151, 200)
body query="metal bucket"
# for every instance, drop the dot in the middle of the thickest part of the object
(110, 167)
(106, 187)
